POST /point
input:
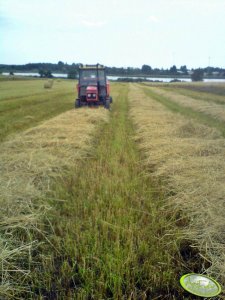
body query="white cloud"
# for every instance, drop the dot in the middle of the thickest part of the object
(153, 19)
(93, 23)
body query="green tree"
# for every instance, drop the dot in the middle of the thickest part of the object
(173, 70)
(48, 74)
(41, 73)
(45, 74)
(60, 64)
(184, 69)
(72, 74)
(197, 75)
(146, 69)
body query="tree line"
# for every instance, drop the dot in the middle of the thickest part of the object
(46, 70)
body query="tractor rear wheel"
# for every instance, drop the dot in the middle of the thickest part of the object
(77, 103)
(107, 103)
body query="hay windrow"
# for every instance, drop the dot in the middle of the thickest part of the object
(29, 164)
(188, 158)
(214, 110)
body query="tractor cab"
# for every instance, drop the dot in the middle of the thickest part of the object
(93, 87)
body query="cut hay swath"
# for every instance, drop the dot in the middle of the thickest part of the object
(200, 91)
(214, 110)
(29, 164)
(188, 158)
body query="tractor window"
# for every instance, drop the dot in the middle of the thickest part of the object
(101, 75)
(88, 76)
(92, 77)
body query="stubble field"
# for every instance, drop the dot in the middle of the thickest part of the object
(110, 205)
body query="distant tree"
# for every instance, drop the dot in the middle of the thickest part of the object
(184, 69)
(72, 74)
(48, 74)
(45, 74)
(156, 71)
(173, 70)
(209, 70)
(197, 75)
(146, 69)
(41, 73)
(60, 64)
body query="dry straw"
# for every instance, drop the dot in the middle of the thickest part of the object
(216, 111)
(209, 92)
(29, 162)
(188, 158)
(48, 84)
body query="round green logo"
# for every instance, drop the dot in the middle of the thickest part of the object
(200, 285)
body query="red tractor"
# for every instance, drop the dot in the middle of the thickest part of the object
(93, 87)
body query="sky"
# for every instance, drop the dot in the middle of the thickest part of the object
(120, 33)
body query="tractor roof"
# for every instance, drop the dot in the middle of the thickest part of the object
(92, 67)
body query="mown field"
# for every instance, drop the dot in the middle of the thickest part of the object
(24, 103)
(110, 205)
